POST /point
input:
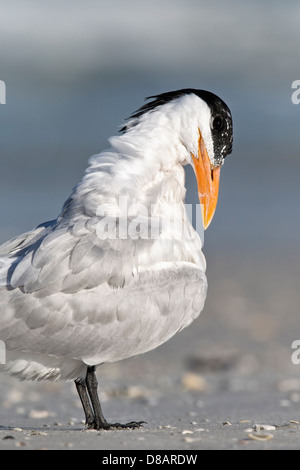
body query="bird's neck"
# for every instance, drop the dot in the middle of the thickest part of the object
(137, 180)
(151, 162)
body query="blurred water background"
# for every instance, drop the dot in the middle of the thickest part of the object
(75, 69)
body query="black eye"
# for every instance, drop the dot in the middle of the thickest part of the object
(217, 123)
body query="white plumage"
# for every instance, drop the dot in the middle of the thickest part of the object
(71, 298)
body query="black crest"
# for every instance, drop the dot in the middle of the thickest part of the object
(221, 125)
(211, 99)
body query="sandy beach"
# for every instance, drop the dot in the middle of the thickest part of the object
(227, 382)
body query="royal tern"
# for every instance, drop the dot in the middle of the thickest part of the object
(121, 269)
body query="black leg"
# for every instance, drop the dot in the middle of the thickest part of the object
(82, 392)
(92, 386)
(99, 422)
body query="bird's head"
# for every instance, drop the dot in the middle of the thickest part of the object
(201, 126)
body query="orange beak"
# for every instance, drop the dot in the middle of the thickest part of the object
(208, 178)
